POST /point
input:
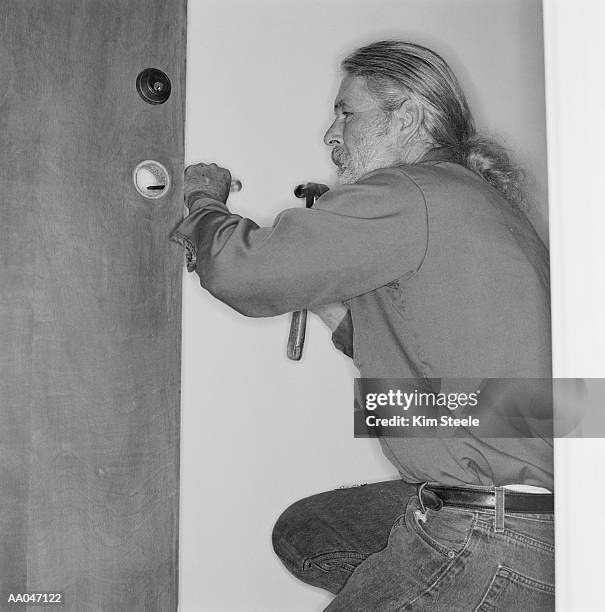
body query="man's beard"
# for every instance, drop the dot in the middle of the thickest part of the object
(348, 167)
(359, 160)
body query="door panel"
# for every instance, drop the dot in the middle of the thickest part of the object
(91, 307)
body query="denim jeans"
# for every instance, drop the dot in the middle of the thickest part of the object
(376, 550)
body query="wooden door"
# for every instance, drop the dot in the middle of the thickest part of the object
(90, 303)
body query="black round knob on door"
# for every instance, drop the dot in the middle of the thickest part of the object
(153, 86)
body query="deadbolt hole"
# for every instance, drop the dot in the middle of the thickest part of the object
(153, 86)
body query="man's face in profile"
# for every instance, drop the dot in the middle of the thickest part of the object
(363, 137)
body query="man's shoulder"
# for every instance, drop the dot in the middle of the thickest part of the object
(452, 190)
(379, 193)
(391, 177)
(428, 178)
(441, 174)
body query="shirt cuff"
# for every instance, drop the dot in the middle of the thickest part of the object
(185, 233)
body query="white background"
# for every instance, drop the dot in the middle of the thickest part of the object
(259, 432)
(575, 50)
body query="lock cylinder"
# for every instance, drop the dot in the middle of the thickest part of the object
(153, 86)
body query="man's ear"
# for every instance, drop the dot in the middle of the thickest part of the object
(410, 116)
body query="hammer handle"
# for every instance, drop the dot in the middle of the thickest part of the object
(296, 339)
(298, 322)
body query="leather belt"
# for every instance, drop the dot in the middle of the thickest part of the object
(435, 497)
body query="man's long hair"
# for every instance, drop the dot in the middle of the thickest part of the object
(396, 70)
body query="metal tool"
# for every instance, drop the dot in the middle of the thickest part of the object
(298, 322)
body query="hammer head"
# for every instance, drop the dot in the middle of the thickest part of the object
(310, 191)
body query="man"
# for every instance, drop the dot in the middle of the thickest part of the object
(425, 267)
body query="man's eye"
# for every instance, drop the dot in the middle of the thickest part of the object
(347, 114)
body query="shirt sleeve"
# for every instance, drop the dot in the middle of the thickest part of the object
(355, 239)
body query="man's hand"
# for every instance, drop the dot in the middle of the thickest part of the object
(206, 181)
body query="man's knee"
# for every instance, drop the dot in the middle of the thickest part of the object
(288, 535)
(305, 541)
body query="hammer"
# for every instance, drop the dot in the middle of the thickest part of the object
(298, 322)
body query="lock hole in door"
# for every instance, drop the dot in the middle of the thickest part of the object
(151, 179)
(153, 86)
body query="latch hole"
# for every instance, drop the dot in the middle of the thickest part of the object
(151, 179)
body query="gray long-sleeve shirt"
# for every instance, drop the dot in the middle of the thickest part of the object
(443, 279)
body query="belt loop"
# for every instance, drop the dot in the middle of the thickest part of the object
(499, 508)
(421, 514)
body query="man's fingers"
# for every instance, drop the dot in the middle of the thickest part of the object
(198, 166)
(205, 167)
(212, 179)
(191, 169)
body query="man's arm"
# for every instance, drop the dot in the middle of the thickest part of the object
(355, 239)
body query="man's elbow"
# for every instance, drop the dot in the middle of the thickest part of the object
(240, 293)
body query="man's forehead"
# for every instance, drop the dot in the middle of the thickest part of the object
(353, 91)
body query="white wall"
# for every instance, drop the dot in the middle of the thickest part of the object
(575, 49)
(259, 431)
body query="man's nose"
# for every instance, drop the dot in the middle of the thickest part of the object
(333, 136)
